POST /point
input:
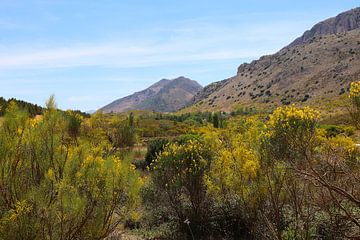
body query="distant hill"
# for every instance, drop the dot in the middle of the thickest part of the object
(164, 96)
(315, 67)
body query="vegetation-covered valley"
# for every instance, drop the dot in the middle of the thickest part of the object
(245, 175)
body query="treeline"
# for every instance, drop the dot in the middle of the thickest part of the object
(197, 118)
(32, 109)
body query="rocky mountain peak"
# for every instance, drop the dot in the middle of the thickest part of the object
(344, 22)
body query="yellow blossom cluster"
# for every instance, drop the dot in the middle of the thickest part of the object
(234, 167)
(180, 162)
(34, 121)
(291, 114)
(20, 208)
(354, 89)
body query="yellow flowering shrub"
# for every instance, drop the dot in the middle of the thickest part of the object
(178, 162)
(177, 181)
(291, 133)
(233, 169)
(52, 188)
(234, 172)
(354, 90)
(291, 116)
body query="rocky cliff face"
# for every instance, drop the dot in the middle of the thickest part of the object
(344, 22)
(163, 96)
(318, 66)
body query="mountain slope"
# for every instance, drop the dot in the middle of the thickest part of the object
(163, 96)
(309, 69)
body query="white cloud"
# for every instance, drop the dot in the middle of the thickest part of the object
(192, 41)
(121, 56)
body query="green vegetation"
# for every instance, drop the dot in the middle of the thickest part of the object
(53, 188)
(31, 109)
(245, 175)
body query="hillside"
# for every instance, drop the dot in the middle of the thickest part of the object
(317, 66)
(164, 96)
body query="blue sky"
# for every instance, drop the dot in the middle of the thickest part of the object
(91, 52)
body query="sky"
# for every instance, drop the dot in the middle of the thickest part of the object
(91, 52)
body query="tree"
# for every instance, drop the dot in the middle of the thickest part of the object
(155, 147)
(216, 120)
(74, 121)
(354, 108)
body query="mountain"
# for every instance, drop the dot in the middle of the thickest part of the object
(315, 67)
(164, 96)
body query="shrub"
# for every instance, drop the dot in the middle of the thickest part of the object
(292, 133)
(52, 189)
(178, 184)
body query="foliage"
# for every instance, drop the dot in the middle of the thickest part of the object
(53, 189)
(354, 108)
(216, 121)
(74, 121)
(292, 133)
(235, 164)
(248, 176)
(334, 130)
(32, 109)
(313, 178)
(234, 180)
(155, 147)
(123, 132)
(178, 183)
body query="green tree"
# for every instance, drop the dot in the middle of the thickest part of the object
(74, 121)
(354, 108)
(154, 148)
(216, 120)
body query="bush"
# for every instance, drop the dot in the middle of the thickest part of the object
(292, 133)
(334, 130)
(178, 184)
(52, 189)
(122, 133)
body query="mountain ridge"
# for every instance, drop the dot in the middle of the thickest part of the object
(307, 69)
(343, 22)
(163, 96)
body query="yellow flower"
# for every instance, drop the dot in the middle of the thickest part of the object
(290, 114)
(354, 90)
